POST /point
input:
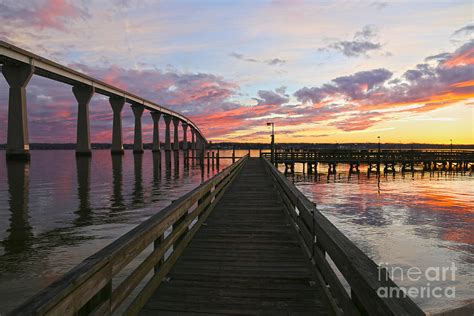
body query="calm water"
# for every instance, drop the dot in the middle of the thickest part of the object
(55, 211)
(405, 221)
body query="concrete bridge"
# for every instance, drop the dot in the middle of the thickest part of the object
(18, 66)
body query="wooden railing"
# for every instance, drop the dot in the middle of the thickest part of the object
(320, 238)
(87, 288)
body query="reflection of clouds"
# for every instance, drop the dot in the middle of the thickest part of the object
(55, 215)
(424, 222)
(421, 203)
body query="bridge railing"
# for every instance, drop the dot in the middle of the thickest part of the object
(321, 239)
(88, 289)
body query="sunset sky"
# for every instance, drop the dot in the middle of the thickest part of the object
(323, 71)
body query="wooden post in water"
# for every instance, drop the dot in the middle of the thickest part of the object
(213, 157)
(233, 154)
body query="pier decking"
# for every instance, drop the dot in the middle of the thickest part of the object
(245, 259)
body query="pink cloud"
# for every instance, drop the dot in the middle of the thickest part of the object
(54, 14)
(348, 103)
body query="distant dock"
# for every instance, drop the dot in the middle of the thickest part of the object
(459, 160)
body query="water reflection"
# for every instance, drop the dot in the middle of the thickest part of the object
(19, 238)
(156, 167)
(84, 212)
(53, 216)
(138, 184)
(176, 163)
(168, 164)
(406, 219)
(116, 200)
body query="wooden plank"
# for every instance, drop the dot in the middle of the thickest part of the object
(245, 258)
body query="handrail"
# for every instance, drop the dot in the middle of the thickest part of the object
(320, 237)
(50, 69)
(87, 288)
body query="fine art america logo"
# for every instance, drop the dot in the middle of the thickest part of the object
(430, 282)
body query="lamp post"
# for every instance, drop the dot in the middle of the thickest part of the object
(379, 143)
(451, 145)
(273, 141)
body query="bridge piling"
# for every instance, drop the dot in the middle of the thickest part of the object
(155, 115)
(17, 77)
(193, 141)
(184, 125)
(176, 135)
(83, 95)
(137, 139)
(167, 119)
(117, 104)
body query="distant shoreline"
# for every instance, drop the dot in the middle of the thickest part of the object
(361, 146)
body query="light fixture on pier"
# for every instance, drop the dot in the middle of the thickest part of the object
(273, 141)
(379, 142)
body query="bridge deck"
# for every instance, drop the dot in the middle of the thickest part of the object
(245, 259)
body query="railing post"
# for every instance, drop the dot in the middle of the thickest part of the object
(175, 225)
(201, 200)
(103, 295)
(156, 245)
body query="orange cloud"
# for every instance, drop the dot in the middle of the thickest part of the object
(465, 58)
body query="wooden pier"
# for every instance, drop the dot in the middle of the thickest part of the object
(376, 161)
(244, 242)
(245, 260)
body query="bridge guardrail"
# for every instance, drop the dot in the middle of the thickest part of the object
(321, 238)
(87, 288)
